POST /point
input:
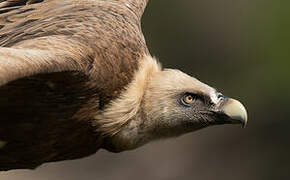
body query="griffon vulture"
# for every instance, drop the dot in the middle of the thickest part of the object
(76, 76)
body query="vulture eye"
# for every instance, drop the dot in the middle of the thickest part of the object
(187, 99)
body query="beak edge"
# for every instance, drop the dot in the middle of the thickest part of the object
(235, 110)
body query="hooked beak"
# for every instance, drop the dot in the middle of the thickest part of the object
(234, 111)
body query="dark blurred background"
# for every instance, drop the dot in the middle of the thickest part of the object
(242, 48)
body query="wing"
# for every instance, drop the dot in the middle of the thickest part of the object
(137, 6)
(60, 63)
(45, 107)
(9, 3)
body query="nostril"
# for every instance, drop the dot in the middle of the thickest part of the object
(220, 96)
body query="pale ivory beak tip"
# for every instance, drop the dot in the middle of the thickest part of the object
(236, 111)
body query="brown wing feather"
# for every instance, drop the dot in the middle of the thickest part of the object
(10, 3)
(40, 122)
(60, 62)
(137, 6)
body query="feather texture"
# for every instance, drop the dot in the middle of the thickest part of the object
(60, 63)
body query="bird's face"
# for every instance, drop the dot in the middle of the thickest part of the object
(176, 103)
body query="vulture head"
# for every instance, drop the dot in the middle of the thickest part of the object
(77, 76)
(165, 103)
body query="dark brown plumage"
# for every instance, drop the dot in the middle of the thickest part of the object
(63, 67)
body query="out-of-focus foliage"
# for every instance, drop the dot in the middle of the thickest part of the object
(242, 48)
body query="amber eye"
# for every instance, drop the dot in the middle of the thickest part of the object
(188, 99)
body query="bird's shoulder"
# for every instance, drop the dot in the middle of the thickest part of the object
(92, 22)
(70, 59)
(105, 32)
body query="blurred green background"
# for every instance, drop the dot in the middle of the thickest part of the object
(242, 48)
